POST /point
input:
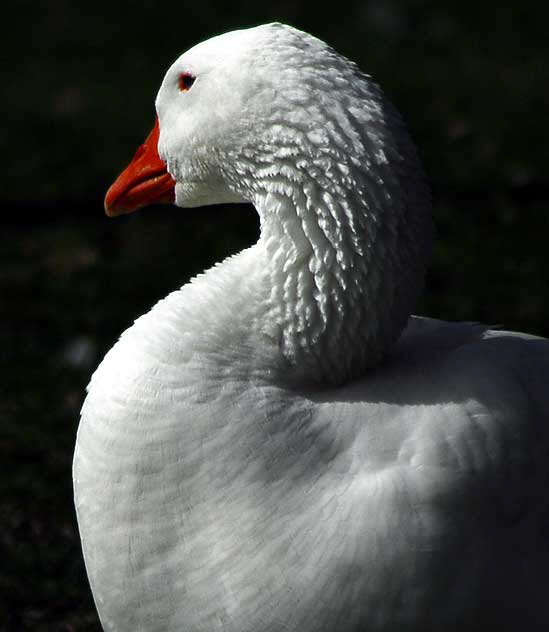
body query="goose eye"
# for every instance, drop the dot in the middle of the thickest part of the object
(185, 82)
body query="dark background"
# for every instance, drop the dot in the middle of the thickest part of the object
(79, 80)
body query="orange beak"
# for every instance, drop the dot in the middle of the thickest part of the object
(143, 182)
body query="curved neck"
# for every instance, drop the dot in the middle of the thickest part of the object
(345, 226)
(341, 280)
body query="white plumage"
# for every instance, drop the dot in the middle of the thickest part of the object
(278, 445)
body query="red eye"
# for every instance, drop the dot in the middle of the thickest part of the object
(186, 81)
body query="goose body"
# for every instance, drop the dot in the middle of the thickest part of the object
(278, 445)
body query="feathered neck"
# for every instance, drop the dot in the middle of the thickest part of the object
(335, 178)
(345, 236)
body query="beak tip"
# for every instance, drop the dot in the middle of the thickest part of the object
(114, 211)
(110, 203)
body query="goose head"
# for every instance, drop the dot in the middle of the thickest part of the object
(274, 116)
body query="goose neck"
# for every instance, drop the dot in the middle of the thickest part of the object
(331, 261)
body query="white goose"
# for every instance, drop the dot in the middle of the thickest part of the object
(265, 449)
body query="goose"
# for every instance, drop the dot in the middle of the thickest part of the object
(279, 445)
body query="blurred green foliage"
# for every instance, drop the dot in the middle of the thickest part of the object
(472, 80)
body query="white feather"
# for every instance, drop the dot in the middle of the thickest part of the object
(259, 452)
